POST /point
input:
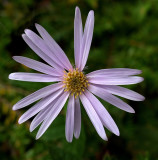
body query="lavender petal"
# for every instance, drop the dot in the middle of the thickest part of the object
(102, 93)
(54, 47)
(69, 128)
(77, 123)
(37, 95)
(52, 114)
(33, 77)
(39, 106)
(115, 72)
(93, 116)
(40, 53)
(40, 43)
(122, 92)
(105, 117)
(115, 80)
(78, 33)
(38, 66)
(87, 38)
(41, 116)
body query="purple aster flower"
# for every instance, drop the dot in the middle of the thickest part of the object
(72, 84)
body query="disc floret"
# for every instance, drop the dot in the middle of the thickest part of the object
(75, 82)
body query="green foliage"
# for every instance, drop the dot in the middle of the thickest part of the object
(125, 35)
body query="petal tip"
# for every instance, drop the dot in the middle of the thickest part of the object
(69, 140)
(115, 130)
(11, 76)
(132, 111)
(31, 128)
(20, 120)
(139, 71)
(23, 35)
(105, 138)
(37, 25)
(77, 8)
(27, 31)
(77, 11)
(37, 136)
(16, 58)
(14, 108)
(91, 12)
(141, 79)
(142, 98)
(76, 135)
(117, 133)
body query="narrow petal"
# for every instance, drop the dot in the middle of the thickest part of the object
(55, 48)
(37, 95)
(38, 66)
(87, 38)
(78, 33)
(69, 129)
(115, 80)
(40, 43)
(40, 53)
(41, 116)
(116, 72)
(33, 77)
(52, 114)
(39, 106)
(123, 92)
(102, 93)
(77, 123)
(93, 116)
(103, 113)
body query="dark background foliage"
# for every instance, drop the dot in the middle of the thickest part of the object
(125, 35)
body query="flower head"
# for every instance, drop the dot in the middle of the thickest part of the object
(72, 84)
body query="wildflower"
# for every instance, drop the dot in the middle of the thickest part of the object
(72, 84)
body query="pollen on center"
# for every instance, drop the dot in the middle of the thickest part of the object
(75, 82)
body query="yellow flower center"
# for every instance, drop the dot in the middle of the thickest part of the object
(75, 82)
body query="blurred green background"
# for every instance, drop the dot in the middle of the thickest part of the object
(125, 35)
